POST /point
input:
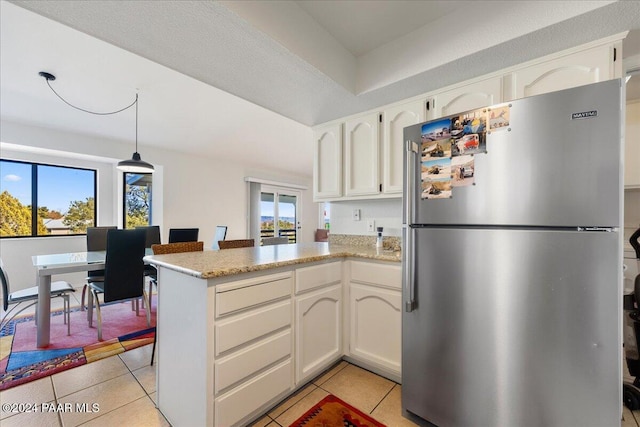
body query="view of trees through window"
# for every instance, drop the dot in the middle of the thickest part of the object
(40, 200)
(137, 199)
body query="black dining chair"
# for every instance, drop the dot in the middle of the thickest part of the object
(96, 241)
(153, 238)
(30, 295)
(152, 234)
(123, 273)
(221, 234)
(177, 235)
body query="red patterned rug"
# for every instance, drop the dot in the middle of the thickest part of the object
(331, 411)
(21, 361)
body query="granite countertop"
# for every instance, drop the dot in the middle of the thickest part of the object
(209, 264)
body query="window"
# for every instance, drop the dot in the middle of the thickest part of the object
(42, 200)
(137, 199)
(279, 213)
(325, 215)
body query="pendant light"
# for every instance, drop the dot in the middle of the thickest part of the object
(135, 164)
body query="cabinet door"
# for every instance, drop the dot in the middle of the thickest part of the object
(476, 95)
(318, 333)
(394, 120)
(362, 155)
(327, 165)
(591, 66)
(376, 317)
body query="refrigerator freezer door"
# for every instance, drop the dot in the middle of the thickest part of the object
(514, 328)
(548, 170)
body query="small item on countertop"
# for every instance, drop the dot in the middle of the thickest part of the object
(379, 240)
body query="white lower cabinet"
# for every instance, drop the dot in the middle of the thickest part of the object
(318, 319)
(232, 407)
(318, 333)
(375, 311)
(253, 365)
(268, 334)
(376, 325)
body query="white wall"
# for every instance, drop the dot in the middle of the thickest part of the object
(386, 213)
(196, 192)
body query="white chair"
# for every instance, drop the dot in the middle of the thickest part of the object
(274, 241)
(30, 295)
(221, 234)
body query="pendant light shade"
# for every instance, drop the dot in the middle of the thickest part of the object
(135, 165)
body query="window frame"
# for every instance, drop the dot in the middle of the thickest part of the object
(124, 198)
(34, 198)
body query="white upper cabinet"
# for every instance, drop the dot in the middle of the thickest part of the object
(394, 120)
(464, 98)
(327, 165)
(370, 164)
(577, 69)
(362, 149)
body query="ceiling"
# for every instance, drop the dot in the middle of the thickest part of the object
(197, 63)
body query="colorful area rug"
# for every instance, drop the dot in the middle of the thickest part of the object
(332, 411)
(21, 361)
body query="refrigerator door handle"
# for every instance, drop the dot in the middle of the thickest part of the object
(411, 149)
(407, 252)
(408, 269)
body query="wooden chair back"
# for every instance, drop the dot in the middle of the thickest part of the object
(174, 248)
(231, 244)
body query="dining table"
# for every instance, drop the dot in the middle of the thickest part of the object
(51, 264)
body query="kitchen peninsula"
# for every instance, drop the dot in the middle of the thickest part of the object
(240, 329)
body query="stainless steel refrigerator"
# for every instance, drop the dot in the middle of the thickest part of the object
(512, 263)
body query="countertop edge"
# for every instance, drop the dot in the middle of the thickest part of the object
(225, 272)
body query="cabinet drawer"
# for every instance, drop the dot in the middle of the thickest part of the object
(377, 274)
(308, 278)
(248, 361)
(246, 327)
(232, 407)
(243, 294)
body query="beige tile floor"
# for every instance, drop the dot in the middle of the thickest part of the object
(123, 386)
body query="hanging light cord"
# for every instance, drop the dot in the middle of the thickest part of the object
(49, 77)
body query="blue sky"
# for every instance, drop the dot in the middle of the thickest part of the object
(435, 126)
(57, 187)
(287, 210)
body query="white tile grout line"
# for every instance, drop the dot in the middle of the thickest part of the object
(384, 397)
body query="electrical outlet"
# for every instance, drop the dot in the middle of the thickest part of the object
(371, 226)
(356, 214)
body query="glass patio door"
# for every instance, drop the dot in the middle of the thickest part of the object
(279, 216)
